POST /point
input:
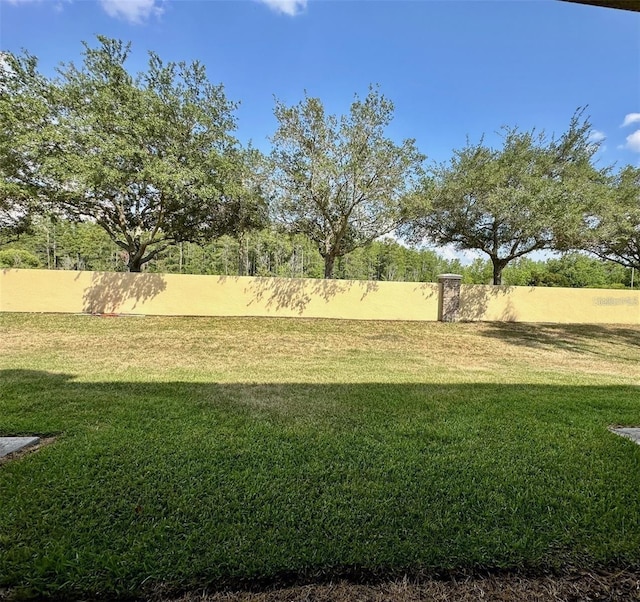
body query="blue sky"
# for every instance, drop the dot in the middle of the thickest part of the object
(453, 68)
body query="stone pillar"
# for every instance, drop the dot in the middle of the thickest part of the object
(449, 302)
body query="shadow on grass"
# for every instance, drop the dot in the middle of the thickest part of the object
(53, 402)
(180, 484)
(578, 338)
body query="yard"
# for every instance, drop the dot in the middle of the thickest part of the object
(191, 453)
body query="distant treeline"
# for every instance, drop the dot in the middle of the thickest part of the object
(64, 245)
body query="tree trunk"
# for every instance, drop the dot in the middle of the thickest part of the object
(48, 249)
(329, 260)
(243, 255)
(54, 250)
(135, 261)
(498, 266)
(135, 265)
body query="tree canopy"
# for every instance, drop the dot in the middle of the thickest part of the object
(613, 231)
(24, 112)
(529, 195)
(151, 158)
(340, 180)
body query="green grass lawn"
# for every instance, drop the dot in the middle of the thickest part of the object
(207, 452)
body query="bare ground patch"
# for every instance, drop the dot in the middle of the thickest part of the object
(583, 586)
(619, 586)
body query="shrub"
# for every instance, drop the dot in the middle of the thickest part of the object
(18, 258)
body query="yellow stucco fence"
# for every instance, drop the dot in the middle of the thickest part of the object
(187, 295)
(541, 304)
(176, 294)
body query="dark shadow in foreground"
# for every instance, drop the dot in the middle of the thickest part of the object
(166, 485)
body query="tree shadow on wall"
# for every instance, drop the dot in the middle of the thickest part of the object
(428, 290)
(109, 291)
(475, 300)
(296, 293)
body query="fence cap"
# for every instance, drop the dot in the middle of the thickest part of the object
(449, 277)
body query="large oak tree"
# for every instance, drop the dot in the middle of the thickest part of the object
(150, 158)
(24, 112)
(529, 195)
(340, 180)
(613, 231)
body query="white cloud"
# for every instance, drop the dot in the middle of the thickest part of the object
(287, 7)
(133, 11)
(450, 253)
(630, 118)
(596, 136)
(57, 5)
(633, 142)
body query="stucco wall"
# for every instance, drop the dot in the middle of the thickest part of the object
(175, 294)
(541, 304)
